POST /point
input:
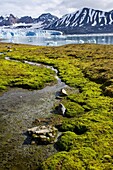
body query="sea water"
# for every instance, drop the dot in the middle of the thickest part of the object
(51, 37)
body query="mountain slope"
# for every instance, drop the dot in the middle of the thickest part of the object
(85, 20)
(8, 20)
(42, 21)
(45, 19)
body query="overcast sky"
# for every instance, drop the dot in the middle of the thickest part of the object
(59, 8)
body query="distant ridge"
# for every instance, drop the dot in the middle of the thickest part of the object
(43, 20)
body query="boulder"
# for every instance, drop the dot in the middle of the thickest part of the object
(43, 134)
(63, 92)
(61, 109)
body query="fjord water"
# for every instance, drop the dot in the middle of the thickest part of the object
(51, 38)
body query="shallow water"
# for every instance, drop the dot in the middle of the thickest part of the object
(18, 109)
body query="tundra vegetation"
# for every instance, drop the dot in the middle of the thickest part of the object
(87, 127)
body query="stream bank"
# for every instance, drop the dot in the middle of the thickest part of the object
(18, 109)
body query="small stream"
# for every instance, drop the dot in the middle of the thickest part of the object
(44, 65)
(18, 109)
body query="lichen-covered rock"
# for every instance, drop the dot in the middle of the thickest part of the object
(43, 134)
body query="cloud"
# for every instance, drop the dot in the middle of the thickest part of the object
(97, 4)
(35, 8)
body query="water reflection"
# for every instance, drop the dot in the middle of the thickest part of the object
(50, 38)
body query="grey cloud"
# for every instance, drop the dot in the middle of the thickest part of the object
(65, 6)
(97, 4)
(35, 8)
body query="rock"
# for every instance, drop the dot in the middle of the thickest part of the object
(61, 109)
(63, 92)
(32, 130)
(8, 47)
(42, 131)
(9, 50)
(33, 142)
(43, 134)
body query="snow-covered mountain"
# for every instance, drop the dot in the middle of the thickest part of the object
(83, 21)
(27, 21)
(86, 20)
(45, 19)
(8, 20)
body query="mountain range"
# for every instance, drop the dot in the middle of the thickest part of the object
(27, 21)
(85, 20)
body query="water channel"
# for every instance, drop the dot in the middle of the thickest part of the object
(18, 109)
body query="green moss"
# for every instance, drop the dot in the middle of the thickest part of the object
(23, 75)
(66, 141)
(75, 159)
(89, 116)
(75, 125)
(73, 109)
(62, 160)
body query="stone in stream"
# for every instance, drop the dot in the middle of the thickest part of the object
(61, 93)
(43, 134)
(60, 109)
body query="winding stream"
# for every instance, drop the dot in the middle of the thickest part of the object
(18, 109)
(39, 64)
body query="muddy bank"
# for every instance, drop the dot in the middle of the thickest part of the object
(18, 109)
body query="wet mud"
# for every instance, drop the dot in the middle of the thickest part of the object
(18, 109)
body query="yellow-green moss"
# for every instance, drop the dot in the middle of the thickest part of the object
(23, 75)
(89, 117)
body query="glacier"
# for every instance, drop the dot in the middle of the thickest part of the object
(50, 37)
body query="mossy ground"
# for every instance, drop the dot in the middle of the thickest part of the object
(89, 117)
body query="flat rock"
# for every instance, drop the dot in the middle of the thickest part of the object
(43, 134)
